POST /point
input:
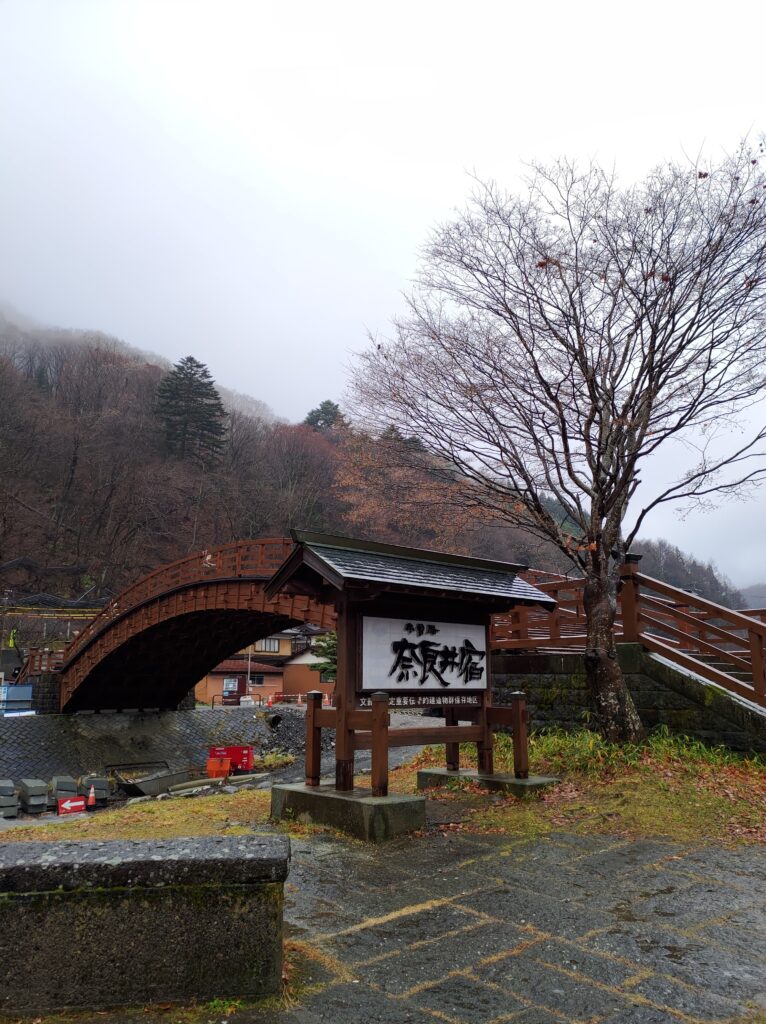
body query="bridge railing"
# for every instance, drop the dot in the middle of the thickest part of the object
(720, 644)
(39, 661)
(723, 646)
(257, 559)
(531, 628)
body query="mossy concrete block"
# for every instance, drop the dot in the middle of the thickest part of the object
(630, 657)
(431, 777)
(97, 925)
(358, 812)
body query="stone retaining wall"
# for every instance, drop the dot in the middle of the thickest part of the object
(47, 745)
(664, 694)
(127, 923)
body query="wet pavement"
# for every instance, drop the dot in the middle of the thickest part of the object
(465, 928)
(477, 928)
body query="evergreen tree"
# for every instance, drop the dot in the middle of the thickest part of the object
(326, 647)
(191, 411)
(326, 415)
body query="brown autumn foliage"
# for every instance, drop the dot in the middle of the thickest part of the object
(90, 500)
(393, 490)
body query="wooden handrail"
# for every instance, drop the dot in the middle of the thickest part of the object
(256, 559)
(730, 658)
(689, 630)
(714, 675)
(718, 610)
(679, 614)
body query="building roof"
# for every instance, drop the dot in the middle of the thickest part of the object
(306, 657)
(239, 665)
(321, 563)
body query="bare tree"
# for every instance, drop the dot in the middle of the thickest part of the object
(556, 340)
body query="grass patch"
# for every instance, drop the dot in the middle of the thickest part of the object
(273, 760)
(219, 814)
(224, 814)
(666, 786)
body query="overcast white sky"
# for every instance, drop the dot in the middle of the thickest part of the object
(249, 182)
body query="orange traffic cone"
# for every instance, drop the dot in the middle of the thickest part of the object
(299, 699)
(92, 796)
(326, 699)
(270, 702)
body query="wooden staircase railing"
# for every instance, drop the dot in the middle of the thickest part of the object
(40, 660)
(723, 646)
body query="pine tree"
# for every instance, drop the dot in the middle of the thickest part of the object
(326, 647)
(191, 411)
(327, 414)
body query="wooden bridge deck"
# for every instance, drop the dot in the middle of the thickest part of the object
(181, 620)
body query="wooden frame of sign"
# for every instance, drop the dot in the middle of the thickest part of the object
(436, 660)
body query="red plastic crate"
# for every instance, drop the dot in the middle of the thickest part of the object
(240, 758)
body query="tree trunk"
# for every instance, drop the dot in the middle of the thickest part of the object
(616, 715)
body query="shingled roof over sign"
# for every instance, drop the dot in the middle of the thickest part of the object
(322, 563)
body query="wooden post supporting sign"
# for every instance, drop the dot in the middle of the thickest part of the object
(380, 722)
(313, 737)
(345, 687)
(452, 749)
(520, 738)
(484, 748)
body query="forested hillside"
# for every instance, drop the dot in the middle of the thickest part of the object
(113, 462)
(94, 482)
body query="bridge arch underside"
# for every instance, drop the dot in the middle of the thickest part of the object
(157, 667)
(152, 656)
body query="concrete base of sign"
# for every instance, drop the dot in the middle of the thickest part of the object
(431, 777)
(357, 812)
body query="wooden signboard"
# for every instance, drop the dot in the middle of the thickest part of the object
(405, 656)
(413, 630)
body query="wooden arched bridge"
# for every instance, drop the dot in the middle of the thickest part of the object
(152, 643)
(159, 637)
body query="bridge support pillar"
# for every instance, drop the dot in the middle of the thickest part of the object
(46, 693)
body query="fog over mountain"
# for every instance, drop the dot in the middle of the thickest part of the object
(252, 183)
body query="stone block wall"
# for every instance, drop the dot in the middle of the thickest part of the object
(127, 923)
(555, 685)
(45, 745)
(664, 694)
(45, 693)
